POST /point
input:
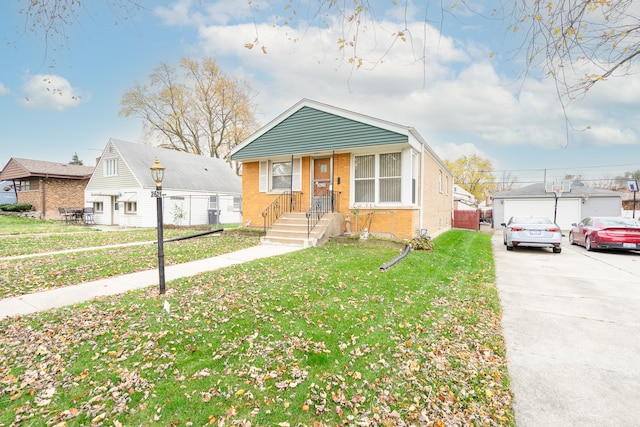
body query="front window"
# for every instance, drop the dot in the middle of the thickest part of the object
(130, 207)
(365, 179)
(281, 175)
(25, 185)
(378, 178)
(237, 203)
(111, 167)
(390, 180)
(98, 207)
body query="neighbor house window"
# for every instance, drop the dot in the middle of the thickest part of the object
(237, 203)
(98, 207)
(130, 207)
(111, 167)
(377, 178)
(213, 202)
(440, 181)
(281, 175)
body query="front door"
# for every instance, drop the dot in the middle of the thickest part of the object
(321, 177)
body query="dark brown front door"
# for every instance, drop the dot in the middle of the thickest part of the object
(321, 176)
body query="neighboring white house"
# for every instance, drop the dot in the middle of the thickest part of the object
(463, 200)
(574, 203)
(196, 189)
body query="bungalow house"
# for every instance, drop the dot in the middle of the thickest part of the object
(575, 202)
(363, 174)
(196, 189)
(47, 186)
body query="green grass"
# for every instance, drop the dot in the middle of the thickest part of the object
(316, 337)
(52, 236)
(12, 225)
(33, 274)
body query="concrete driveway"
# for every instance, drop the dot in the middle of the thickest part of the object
(571, 323)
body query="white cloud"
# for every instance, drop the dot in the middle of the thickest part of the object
(179, 14)
(184, 12)
(3, 90)
(49, 92)
(449, 90)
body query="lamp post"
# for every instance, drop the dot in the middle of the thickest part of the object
(157, 173)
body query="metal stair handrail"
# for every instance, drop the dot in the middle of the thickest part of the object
(322, 205)
(289, 201)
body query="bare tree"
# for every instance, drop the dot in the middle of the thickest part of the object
(50, 19)
(578, 42)
(506, 181)
(194, 108)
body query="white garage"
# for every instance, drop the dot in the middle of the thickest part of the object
(573, 205)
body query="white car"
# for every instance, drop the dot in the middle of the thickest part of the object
(532, 231)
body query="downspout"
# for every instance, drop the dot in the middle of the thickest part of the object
(391, 263)
(15, 189)
(44, 198)
(333, 164)
(291, 186)
(421, 197)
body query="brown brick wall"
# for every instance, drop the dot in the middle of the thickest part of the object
(402, 223)
(438, 205)
(66, 193)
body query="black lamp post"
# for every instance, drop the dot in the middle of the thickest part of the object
(157, 173)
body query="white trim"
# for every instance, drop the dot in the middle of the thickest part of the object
(263, 185)
(296, 174)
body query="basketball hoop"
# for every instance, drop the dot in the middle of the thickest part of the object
(557, 191)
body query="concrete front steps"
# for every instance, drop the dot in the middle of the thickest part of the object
(291, 229)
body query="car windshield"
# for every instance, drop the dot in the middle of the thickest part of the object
(531, 220)
(618, 222)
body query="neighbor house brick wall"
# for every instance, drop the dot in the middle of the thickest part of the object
(65, 193)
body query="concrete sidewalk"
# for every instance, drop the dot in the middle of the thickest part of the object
(69, 295)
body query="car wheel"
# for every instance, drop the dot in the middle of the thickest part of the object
(571, 238)
(557, 250)
(587, 243)
(509, 248)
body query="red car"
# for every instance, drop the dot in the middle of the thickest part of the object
(606, 233)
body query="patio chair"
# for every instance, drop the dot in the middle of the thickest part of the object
(87, 216)
(64, 215)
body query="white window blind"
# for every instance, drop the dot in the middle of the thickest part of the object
(365, 179)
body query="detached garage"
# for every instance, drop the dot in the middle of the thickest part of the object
(574, 203)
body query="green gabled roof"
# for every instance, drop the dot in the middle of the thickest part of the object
(310, 130)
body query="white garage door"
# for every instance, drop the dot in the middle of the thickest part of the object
(568, 210)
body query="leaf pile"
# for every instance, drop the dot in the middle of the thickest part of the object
(317, 337)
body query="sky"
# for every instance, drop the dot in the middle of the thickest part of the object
(456, 79)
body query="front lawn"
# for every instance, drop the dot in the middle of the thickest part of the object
(22, 236)
(34, 274)
(317, 337)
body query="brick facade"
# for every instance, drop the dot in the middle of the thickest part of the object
(401, 222)
(48, 194)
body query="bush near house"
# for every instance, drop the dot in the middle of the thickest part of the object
(16, 207)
